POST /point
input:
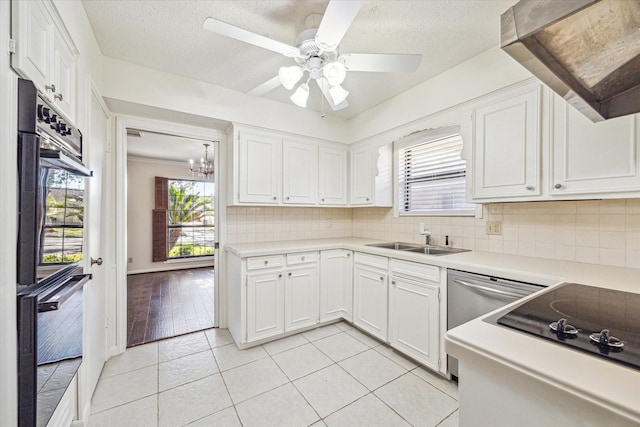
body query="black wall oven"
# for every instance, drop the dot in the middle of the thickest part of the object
(50, 249)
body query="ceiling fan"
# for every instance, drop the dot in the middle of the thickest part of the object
(317, 55)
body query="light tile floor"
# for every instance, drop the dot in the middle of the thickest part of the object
(330, 376)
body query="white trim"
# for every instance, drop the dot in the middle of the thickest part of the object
(178, 129)
(193, 260)
(168, 268)
(159, 161)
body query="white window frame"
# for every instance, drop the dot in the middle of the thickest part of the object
(416, 138)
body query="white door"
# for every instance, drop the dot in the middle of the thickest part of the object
(413, 319)
(300, 172)
(265, 305)
(592, 157)
(301, 298)
(96, 227)
(506, 146)
(370, 301)
(361, 177)
(260, 168)
(336, 284)
(332, 179)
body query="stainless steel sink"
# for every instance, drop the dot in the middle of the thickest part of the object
(398, 246)
(436, 250)
(422, 249)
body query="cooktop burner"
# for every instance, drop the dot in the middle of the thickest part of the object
(603, 322)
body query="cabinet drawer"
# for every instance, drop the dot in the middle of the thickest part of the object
(261, 262)
(414, 269)
(302, 258)
(372, 260)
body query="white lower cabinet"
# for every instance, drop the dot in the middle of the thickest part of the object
(414, 313)
(370, 282)
(265, 305)
(336, 285)
(300, 298)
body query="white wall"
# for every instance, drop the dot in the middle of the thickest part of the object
(141, 85)
(141, 175)
(8, 173)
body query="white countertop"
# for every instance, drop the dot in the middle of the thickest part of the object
(607, 384)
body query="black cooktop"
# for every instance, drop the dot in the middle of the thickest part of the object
(587, 311)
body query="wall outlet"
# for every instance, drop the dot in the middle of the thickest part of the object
(130, 260)
(494, 227)
(329, 223)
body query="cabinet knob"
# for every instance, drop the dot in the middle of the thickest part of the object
(530, 187)
(557, 186)
(279, 276)
(289, 274)
(348, 254)
(367, 199)
(381, 278)
(323, 200)
(58, 96)
(288, 197)
(266, 262)
(52, 88)
(393, 282)
(275, 198)
(302, 258)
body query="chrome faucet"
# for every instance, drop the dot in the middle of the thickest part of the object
(426, 233)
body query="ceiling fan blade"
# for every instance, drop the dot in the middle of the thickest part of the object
(324, 86)
(336, 21)
(243, 35)
(381, 62)
(265, 87)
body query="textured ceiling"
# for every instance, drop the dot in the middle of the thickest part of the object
(167, 35)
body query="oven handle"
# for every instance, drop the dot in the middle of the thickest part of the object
(491, 290)
(53, 298)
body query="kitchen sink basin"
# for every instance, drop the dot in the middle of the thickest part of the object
(398, 246)
(421, 249)
(436, 250)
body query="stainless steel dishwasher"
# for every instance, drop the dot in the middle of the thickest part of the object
(470, 295)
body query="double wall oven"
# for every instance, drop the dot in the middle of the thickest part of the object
(50, 250)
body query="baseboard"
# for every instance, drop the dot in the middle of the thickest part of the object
(169, 268)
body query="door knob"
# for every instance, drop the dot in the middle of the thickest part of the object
(96, 261)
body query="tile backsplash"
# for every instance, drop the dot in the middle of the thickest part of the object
(595, 231)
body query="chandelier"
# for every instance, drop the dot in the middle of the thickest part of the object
(205, 168)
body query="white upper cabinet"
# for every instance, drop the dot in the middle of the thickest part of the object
(507, 145)
(260, 167)
(300, 172)
(592, 157)
(45, 53)
(332, 175)
(371, 176)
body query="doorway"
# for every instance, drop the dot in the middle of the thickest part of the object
(178, 294)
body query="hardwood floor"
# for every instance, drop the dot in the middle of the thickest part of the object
(169, 303)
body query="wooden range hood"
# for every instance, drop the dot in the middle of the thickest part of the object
(588, 51)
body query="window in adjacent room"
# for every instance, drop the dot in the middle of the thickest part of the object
(190, 219)
(431, 176)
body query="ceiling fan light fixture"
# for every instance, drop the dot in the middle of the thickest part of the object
(301, 95)
(334, 72)
(289, 76)
(338, 94)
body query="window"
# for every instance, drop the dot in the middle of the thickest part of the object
(431, 176)
(190, 219)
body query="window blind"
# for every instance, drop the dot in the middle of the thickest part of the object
(431, 177)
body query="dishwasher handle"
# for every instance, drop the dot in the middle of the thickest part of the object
(488, 289)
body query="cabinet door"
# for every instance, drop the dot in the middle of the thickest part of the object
(414, 313)
(300, 172)
(361, 177)
(260, 168)
(33, 31)
(301, 298)
(332, 176)
(592, 157)
(336, 285)
(63, 76)
(506, 146)
(265, 305)
(370, 301)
